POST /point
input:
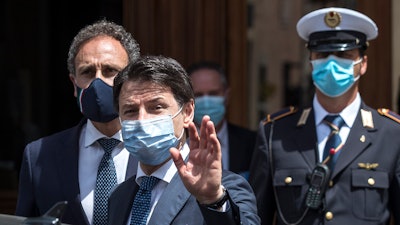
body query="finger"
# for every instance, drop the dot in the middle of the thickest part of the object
(214, 145)
(213, 142)
(210, 127)
(203, 132)
(194, 138)
(178, 160)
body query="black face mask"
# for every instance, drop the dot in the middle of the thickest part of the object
(96, 101)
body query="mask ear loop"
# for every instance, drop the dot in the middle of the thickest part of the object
(180, 136)
(355, 63)
(183, 130)
(179, 111)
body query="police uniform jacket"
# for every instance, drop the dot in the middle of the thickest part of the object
(364, 188)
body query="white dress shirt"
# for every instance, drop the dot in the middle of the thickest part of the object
(90, 154)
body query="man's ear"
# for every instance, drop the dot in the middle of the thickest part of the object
(72, 79)
(188, 113)
(364, 65)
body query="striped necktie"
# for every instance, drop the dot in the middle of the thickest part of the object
(334, 142)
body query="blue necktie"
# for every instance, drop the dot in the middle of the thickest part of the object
(334, 142)
(141, 204)
(105, 181)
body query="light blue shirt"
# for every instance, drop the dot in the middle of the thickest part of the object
(348, 114)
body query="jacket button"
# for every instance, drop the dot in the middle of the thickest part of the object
(371, 181)
(288, 180)
(328, 215)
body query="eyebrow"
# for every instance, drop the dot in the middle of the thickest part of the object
(85, 67)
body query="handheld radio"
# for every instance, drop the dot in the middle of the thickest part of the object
(318, 183)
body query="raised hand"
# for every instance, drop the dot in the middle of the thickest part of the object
(202, 173)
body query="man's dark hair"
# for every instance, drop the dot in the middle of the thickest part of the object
(163, 71)
(209, 65)
(102, 27)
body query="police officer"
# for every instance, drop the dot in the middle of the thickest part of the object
(311, 169)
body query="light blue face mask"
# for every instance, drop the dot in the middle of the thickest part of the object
(209, 105)
(333, 75)
(149, 140)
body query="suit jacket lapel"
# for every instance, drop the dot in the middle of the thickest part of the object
(68, 161)
(170, 203)
(123, 201)
(131, 170)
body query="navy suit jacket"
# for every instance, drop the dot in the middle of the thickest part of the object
(49, 173)
(177, 206)
(241, 147)
(364, 187)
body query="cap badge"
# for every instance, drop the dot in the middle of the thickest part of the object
(332, 19)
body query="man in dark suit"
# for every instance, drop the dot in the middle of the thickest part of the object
(155, 99)
(64, 166)
(336, 162)
(211, 91)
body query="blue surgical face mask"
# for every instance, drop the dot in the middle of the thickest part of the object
(149, 140)
(209, 105)
(333, 75)
(96, 101)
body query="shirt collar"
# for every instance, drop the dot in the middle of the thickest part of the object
(348, 114)
(92, 134)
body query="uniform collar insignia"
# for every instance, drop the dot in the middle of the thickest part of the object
(367, 119)
(303, 118)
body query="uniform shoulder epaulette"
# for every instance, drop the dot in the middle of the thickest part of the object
(388, 113)
(280, 114)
